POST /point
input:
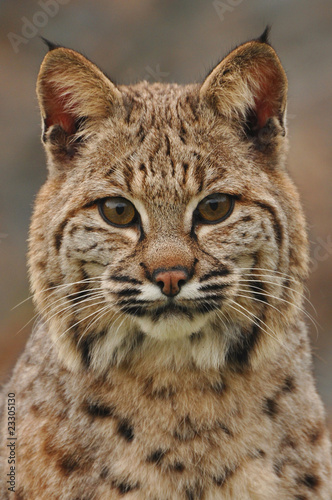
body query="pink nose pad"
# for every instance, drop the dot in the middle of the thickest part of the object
(170, 281)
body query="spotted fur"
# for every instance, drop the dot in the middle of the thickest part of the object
(124, 392)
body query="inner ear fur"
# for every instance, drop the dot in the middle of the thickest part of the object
(249, 87)
(74, 95)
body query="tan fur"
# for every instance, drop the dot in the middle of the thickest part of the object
(213, 398)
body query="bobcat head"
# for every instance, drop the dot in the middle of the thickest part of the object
(168, 231)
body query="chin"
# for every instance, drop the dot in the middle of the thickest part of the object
(172, 326)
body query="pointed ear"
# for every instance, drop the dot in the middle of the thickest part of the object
(74, 96)
(249, 89)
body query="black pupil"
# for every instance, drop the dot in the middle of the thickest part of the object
(120, 208)
(214, 205)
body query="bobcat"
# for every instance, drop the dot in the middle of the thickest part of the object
(167, 258)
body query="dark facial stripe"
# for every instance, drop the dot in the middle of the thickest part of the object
(204, 307)
(215, 297)
(168, 146)
(236, 224)
(170, 309)
(185, 167)
(58, 235)
(128, 292)
(199, 178)
(183, 134)
(216, 272)
(134, 302)
(125, 279)
(141, 134)
(88, 249)
(277, 227)
(238, 354)
(128, 176)
(79, 295)
(85, 346)
(83, 262)
(135, 311)
(214, 286)
(246, 218)
(173, 167)
(258, 290)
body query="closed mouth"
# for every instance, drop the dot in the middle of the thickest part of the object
(170, 309)
(188, 308)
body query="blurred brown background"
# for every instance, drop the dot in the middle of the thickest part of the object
(171, 41)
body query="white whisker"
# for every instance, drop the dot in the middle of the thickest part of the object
(72, 307)
(272, 335)
(50, 306)
(266, 294)
(56, 287)
(99, 314)
(279, 285)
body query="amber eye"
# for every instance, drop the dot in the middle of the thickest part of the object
(117, 211)
(215, 208)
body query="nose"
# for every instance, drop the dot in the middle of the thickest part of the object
(170, 280)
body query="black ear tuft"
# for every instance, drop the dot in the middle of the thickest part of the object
(50, 45)
(264, 38)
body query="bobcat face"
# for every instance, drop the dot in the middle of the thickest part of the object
(160, 271)
(168, 215)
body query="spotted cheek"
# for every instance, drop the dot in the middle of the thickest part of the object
(92, 250)
(214, 241)
(231, 241)
(79, 262)
(216, 249)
